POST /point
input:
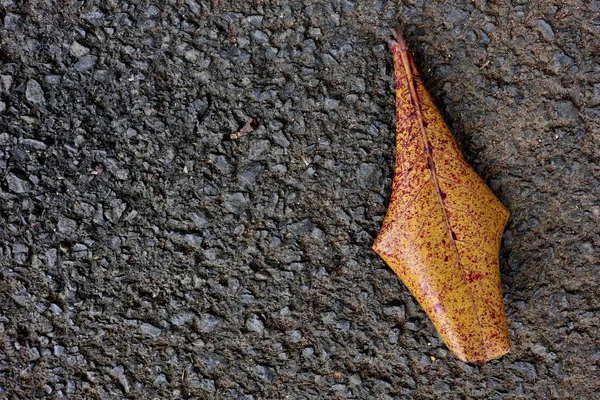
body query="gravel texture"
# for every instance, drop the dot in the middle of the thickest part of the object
(144, 254)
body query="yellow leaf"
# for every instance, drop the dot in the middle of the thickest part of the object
(442, 231)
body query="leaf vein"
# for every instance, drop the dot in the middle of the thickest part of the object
(406, 207)
(472, 190)
(478, 247)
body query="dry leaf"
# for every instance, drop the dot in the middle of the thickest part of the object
(442, 231)
(246, 129)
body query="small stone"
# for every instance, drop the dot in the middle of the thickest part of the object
(19, 154)
(545, 29)
(395, 311)
(329, 60)
(80, 251)
(527, 370)
(281, 140)
(19, 248)
(315, 32)
(566, 110)
(255, 20)
(355, 380)
(199, 106)
(78, 50)
(222, 163)
(117, 373)
(34, 92)
(369, 176)
(2, 106)
(235, 203)
(265, 373)
(17, 185)
(7, 81)
(152, 11)
(423, 361)
(275, 125)
(441, 387)
(34, 353)
(249, 174)
(117, 207)
(208, 323)
(259, 148)
(192, 55)
(295, 267)
(393, 335)
(95, 18)
(199, 220)
(12, 21)
(411, 326)
(4, 138)
(587, 247)
(539, 350)
(210, 362)
(328, 317)
(150, 330)
(86, 63)
(254, 324)
(208, 385)
(260, 37)
(28, 119)
(182, 318)
(194, 7)
(360, 85)
(343, 325)
(331, 104)
(338, 387)
(160, 379)
(53, 79)
(489, 27)
(35, 144)
(114, 168)
(296, 336)
(308, 352)
(101, 75)
(279, 169)
(193, 241)
(56, 310)
(131, 216)
(508, 239)
(58, 350)
(98, 215)
(563, 302)
(51, 256)
(560, 61)
(301, 227)
(66, 225)
(596, 95)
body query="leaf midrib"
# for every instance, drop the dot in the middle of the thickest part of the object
(419, 115)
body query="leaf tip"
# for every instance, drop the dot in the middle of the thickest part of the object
(398, 40)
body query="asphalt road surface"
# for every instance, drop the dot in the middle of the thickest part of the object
(147, 254)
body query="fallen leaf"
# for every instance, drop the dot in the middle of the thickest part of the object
(246, 129)
(442, 231)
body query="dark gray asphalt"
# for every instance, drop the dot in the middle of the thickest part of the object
(145, 254)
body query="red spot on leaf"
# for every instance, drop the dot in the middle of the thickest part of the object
(473, 276)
